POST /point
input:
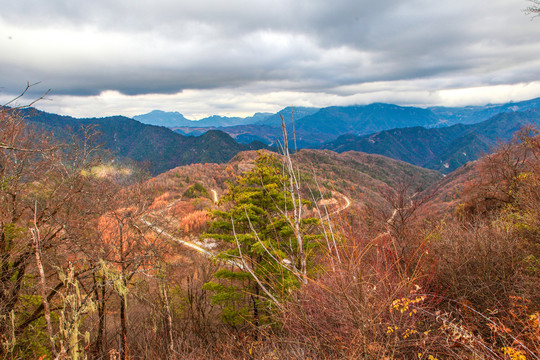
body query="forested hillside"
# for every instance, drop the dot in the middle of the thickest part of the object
(154, 147)
(316, 255)
(443, 149)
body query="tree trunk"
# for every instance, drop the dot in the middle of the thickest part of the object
(256, 312)
(39, 265)
(123, 329)
(100, 298)
(168, 323)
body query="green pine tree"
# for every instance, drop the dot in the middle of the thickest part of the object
(264, 246)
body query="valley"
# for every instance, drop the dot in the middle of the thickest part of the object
(180, 239)
(269, 180)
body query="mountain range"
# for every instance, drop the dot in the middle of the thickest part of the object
(175, 119)
(443, 149)
(157, 148)
(314, 127)
(424, 137)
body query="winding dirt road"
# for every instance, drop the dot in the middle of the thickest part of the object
(205, 252)
(189, 244)
(161, 231)
(216, 200)
(347, 204)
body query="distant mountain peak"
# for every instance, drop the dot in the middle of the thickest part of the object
(162, 118)
(174, 119)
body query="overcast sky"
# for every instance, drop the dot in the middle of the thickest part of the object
(237, 57)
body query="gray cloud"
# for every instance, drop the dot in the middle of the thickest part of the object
(83, 48)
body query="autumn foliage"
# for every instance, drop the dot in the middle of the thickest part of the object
(195, 221)
(95, 264)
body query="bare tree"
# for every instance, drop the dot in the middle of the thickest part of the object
(533, 9)
(41, 186)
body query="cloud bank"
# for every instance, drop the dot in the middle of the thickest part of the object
(241, 56)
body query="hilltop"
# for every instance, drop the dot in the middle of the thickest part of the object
(156, 148)
(365, 179)
(443, 149)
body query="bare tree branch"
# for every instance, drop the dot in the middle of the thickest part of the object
(21, 95)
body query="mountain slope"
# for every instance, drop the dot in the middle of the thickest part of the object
(317, 126)
(160, 148)
(362, 178)
(360, 120)
(268, 135)
(297, 111)
(354, 166)
(443, 149)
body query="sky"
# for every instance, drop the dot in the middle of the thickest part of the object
(238, 57)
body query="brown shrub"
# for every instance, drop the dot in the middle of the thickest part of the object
(500, 176)
(479, 262)
(161, 201)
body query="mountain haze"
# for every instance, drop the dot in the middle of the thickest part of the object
(314, 127)
(475, 114)
(176, 119)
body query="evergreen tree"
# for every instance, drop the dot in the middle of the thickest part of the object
(264, 248)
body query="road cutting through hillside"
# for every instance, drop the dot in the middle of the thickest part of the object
(205, 252)
(161, 231)
(189, 244)
(216, 200)
(347, 204)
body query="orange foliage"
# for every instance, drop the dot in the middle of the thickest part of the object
(181, 209)
(195, 221)
(108, 224)
(161, 201)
